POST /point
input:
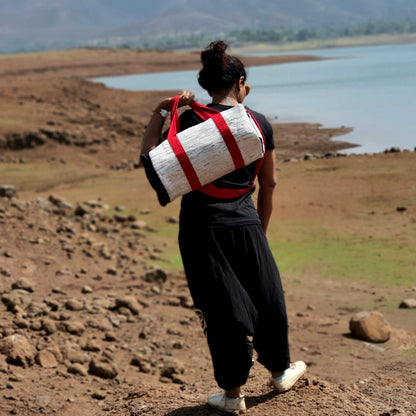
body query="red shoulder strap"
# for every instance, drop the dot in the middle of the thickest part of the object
(177, 147)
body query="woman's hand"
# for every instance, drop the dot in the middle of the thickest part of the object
(152, 136)
(186, 98)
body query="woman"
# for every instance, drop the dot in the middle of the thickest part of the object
(232, 276)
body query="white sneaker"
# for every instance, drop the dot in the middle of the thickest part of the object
(289, 377)
(229, 405)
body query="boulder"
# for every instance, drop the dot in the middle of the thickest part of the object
(408, 304)
(46, 359)
(155, 276)
(8, 191)
(48, 326)
(74, 305)
(130, 303)
(172, 368)
(24, 284)
(77, 369)
(102, 369)
(17, 298)
(370, 326)
(18, 350)
(75, 328)
(142, 362)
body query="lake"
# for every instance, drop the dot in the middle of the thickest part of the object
(372, 89)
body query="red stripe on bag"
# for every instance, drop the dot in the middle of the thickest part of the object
(184, 161)
(229, 140)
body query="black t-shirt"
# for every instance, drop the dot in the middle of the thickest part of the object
(198, 209)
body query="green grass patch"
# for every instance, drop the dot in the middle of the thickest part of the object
(7, 121)
(347, 257)
(412, 351)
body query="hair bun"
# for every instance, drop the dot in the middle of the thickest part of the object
(214, 55)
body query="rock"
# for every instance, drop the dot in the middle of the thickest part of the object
(172, 220)
(104, 252)
(120, 218)
(98, 395)
(24, 284)
(186, 301)
(408, 304)
(129, 302)
(17, 298)
(110, 336)
(111, 271)
(36, 325)
(46, 359)
(91, 345)
(139, 225)
(77, 369)
(8, 191)
(76, 356)
(172, 368)
(87, 289)
(142, 362)
(48, 326)
(101, 369)
(21, 323)
(75, 328)
(18, 350)
(155, 276)
(370, 326)
(82, 209)
(74, 305)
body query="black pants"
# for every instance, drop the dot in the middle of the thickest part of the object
(235, 283)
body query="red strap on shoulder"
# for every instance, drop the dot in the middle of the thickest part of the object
(177, 147)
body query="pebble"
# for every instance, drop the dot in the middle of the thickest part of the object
(87, 289)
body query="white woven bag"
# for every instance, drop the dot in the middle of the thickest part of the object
(207, 152)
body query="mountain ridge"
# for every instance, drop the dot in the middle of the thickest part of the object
(34, 25)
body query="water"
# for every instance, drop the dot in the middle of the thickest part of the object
(372, 89)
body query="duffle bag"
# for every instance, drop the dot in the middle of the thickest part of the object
(191, 159)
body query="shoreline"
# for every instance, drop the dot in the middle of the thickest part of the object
(345, 42)
(54, 88)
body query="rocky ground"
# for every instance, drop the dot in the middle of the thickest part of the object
(96, 320)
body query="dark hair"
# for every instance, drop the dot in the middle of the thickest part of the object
(220, 71)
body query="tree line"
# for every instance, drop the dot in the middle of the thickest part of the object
(286, 34)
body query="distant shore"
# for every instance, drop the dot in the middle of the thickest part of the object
(344, 42)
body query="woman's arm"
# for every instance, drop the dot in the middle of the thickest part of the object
(267, 183)
(153, 135)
